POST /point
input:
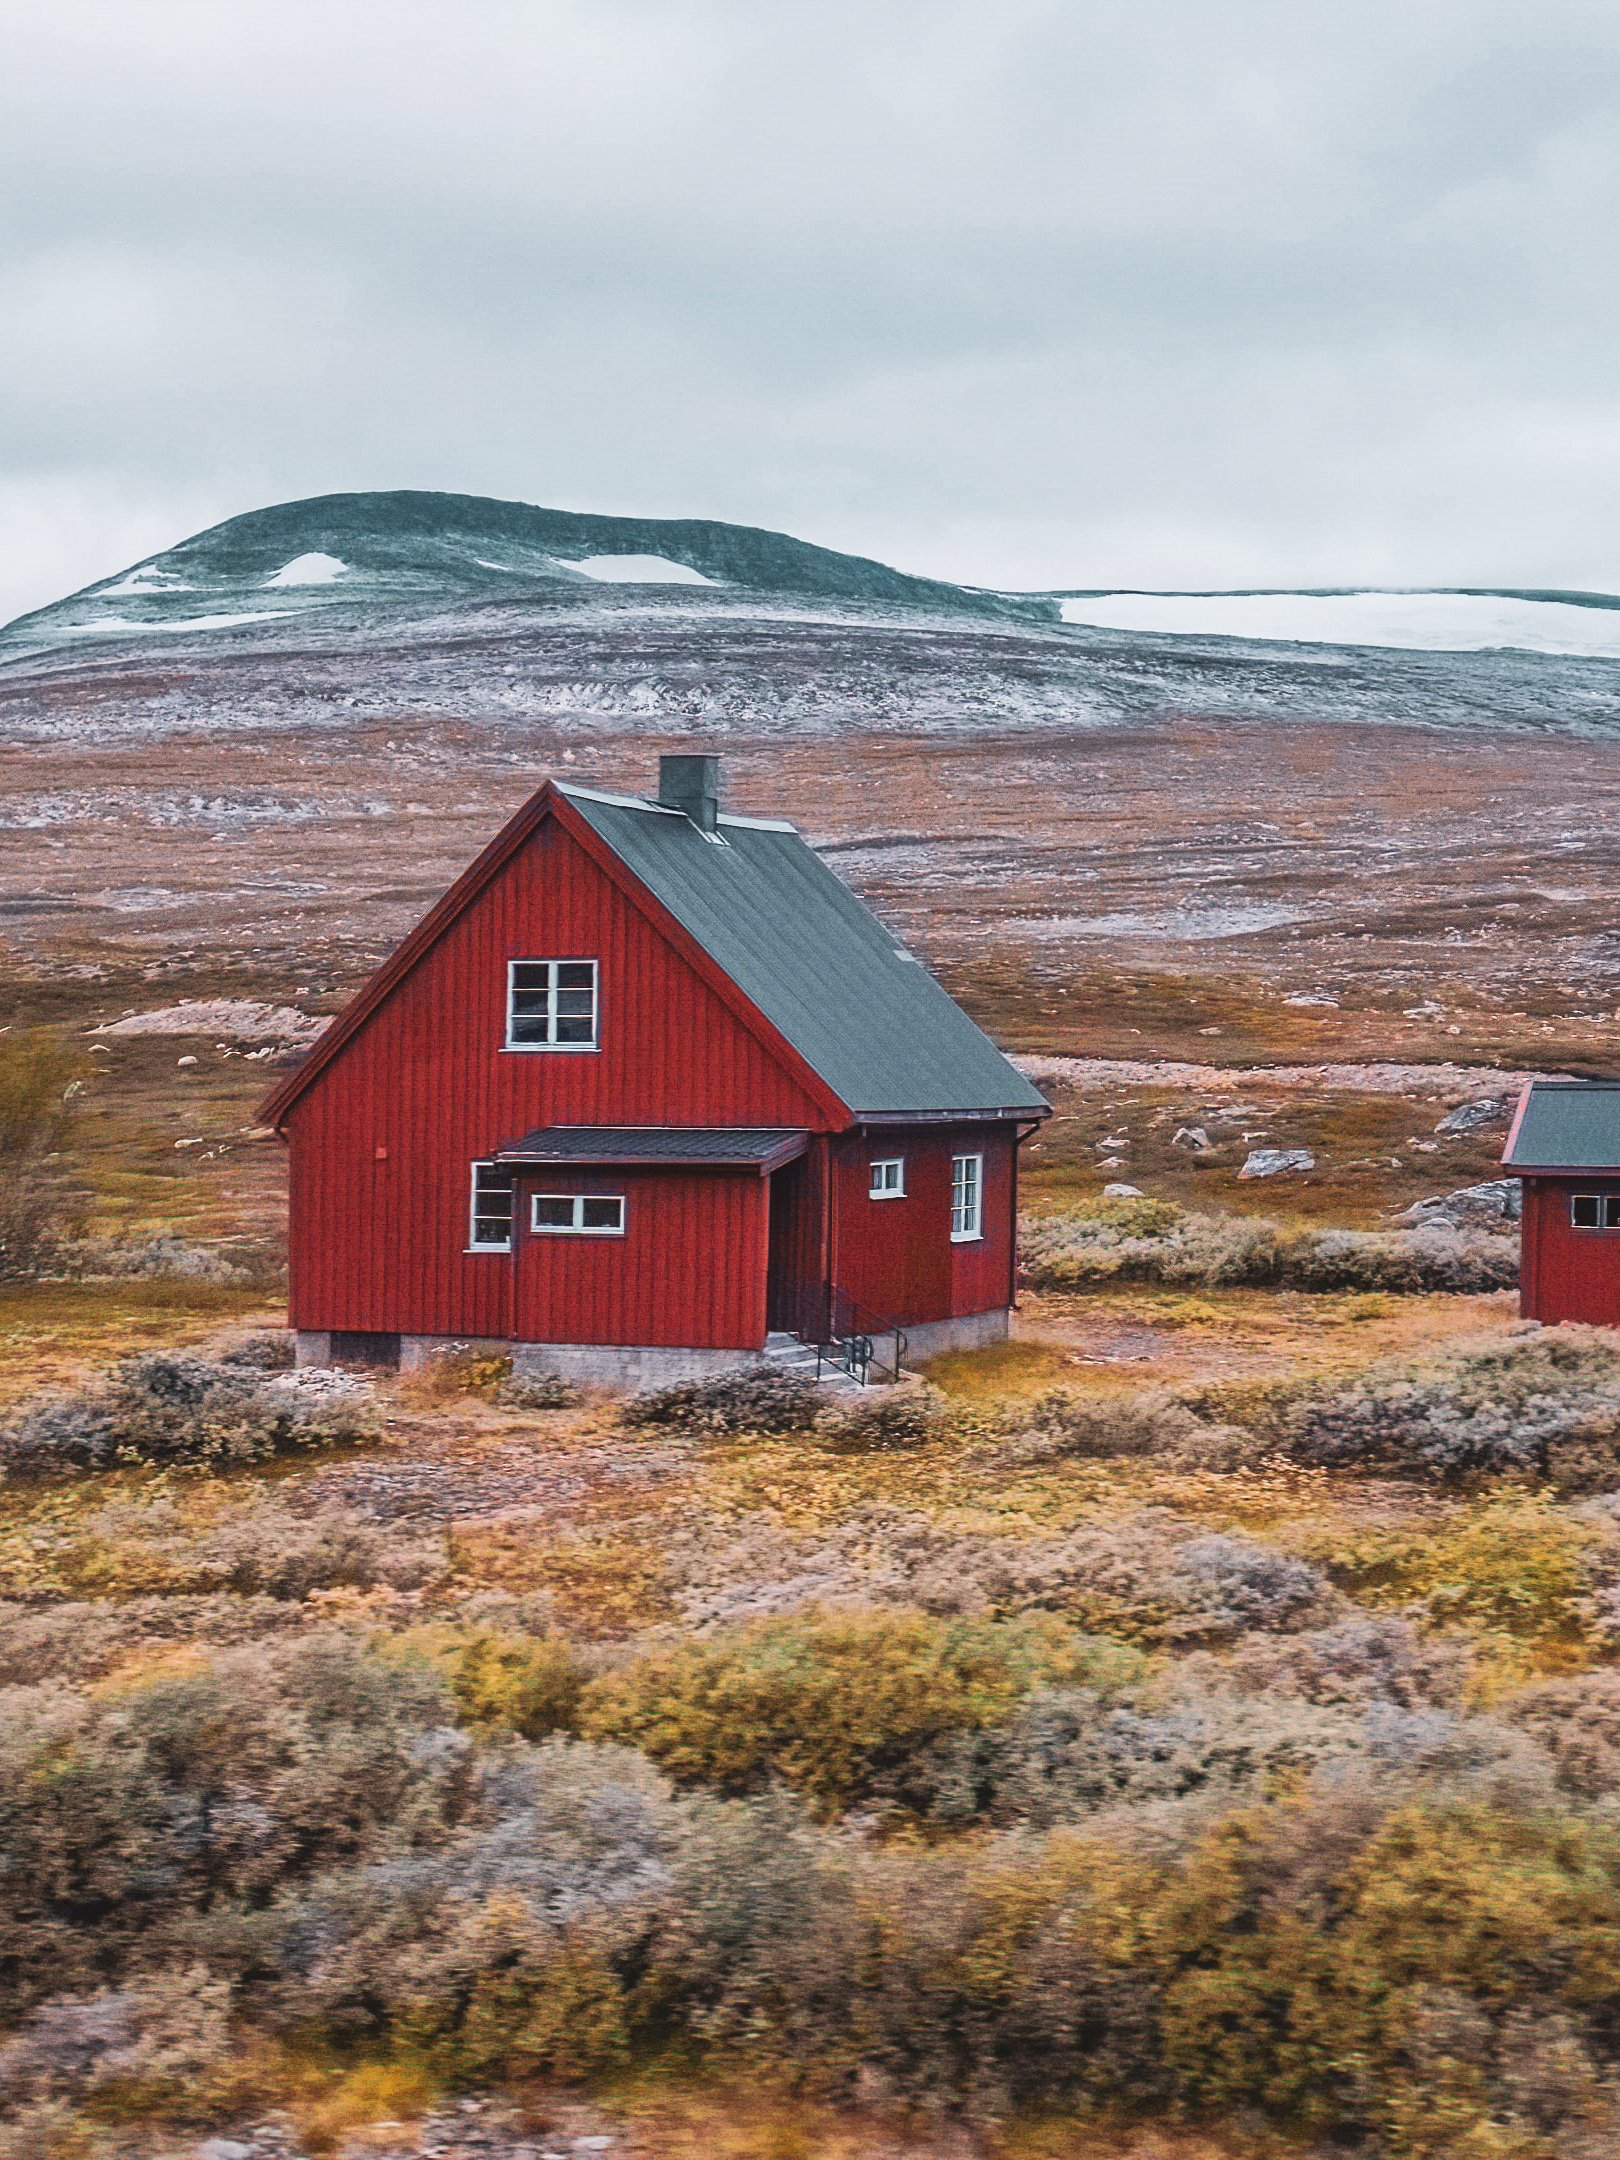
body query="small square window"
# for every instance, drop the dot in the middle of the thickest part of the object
(490, 1229)
(888, 1178)
(1586, 1211)
(577, 1215)
(551, 1005)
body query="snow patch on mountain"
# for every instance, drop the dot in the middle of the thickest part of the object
(637, 570)
(312, 569)
(1411, 621)
(127, 626)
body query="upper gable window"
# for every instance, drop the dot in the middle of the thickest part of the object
(888, 1178)
(551, 1005)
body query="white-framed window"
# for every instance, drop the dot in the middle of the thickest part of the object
(967, 1198)
(888, 1178)
(577, 1214)
(489, 1227)
(551, 1005)
(1594, 1211)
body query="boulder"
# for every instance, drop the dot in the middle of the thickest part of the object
(1477, 1116)
(1274, 1161)
(1489, 1206)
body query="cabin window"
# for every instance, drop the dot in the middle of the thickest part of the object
(888, 1178)
(551, 1005)
(577, 1215)
(967, 1198)
(1594, 1211)
(491, 1226)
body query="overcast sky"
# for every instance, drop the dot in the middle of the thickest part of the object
(1022, 292)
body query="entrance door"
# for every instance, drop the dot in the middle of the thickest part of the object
(790, 1273)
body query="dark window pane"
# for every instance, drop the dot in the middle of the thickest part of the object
(576, 974)
(1611, 1212)
(603, 1214)
(553, 1211)
(574, 1031)
(1583, 1211)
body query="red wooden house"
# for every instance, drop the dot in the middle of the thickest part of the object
(1565, 1146)
(647, 1093)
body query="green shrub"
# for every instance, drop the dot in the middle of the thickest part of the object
(832, 1706)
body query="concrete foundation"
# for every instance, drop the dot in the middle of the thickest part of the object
(969, 1331)
(636, 1368)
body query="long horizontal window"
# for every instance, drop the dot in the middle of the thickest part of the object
(1594, 1211)
(490, 1229)
(551, 1005)
(577, 1215)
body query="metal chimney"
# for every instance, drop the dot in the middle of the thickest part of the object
(692, 785)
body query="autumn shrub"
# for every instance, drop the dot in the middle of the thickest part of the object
(1543, 1405)
(501, 1681)
(159, 2047)
(262, 1547)
(1072, 1424)
(537, 1391)
(1514, 1566)
(1152, 1242)
(753, 1398)
(888, 1420)
(38, 1082)
(833, 1706)
(168, 1408)
(123, 1817)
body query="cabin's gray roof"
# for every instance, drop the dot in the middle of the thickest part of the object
(726, 1146)
(1567, 1125)
(859, 1009)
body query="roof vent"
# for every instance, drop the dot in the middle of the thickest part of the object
(692, 785)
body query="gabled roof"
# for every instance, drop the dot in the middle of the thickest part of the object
(1566, 1125)
(862, 1012)
(840, 1001)
(746, 1147)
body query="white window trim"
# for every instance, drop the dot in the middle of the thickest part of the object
(877, 1191)
(474, 1242)
(975, 1234)
(577, 1228)
(555, 1049)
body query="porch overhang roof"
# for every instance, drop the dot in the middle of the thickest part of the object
(680, 1147)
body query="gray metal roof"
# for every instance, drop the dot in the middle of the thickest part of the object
(1567, 1125)
(860, 1010)
(748, 1146)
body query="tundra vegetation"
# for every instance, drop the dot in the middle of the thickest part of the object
(1192, 1729)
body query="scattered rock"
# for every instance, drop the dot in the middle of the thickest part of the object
(1479, 1115)
(1307, 999)
(237, 1019)
(1274, 1161)
(1191, 1137)
(1122, 1192)
(1492, 1205)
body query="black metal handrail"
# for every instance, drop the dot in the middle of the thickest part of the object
(848, 1338)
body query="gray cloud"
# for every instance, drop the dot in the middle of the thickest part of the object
(1062, 291)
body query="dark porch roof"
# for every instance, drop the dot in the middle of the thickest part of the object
(1566, 1125)
(736, 1147)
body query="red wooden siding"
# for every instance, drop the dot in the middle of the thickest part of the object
(896, 1256)
(382, 1141)
(1565, 1273)
(689, 1270)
